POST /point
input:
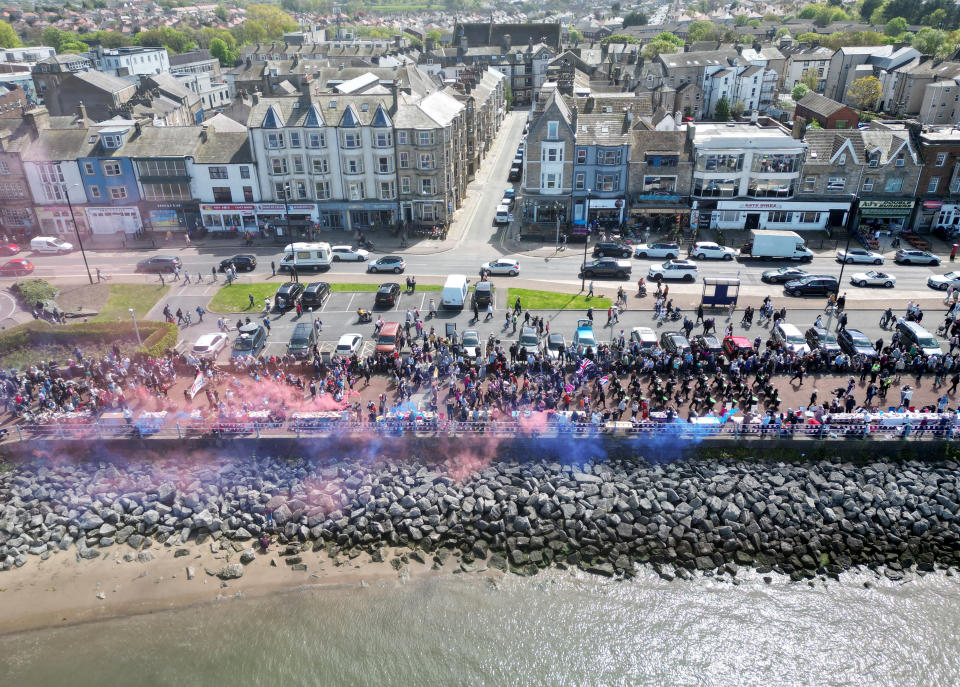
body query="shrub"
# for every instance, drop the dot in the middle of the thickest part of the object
(29, 291)
(157, 336)
(164, 336)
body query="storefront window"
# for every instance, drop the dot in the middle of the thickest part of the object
(779, 217)
(716, 188)
(331, 220)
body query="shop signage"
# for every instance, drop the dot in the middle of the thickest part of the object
(600, 203)
(887, 204)
(113, 212)
(227, 208)
(932, 204)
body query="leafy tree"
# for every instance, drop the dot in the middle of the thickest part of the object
(865, 92)
(808, 12)
(737, 108)
(636, 19)
(436, 36)
(54, 37)
(273, 19)
(810, 78)
(173, 40)
(814, 125)
(615, 7)
(772, 18)
(221, 13)
(824, 16)
(782, 31)
(722, 113)
(879, 15)
(740, 20)
(8, 37)
(575, 36)
(800, 90)
(619, 38)
(219, 49)
(896, 26)
(701, 31)
(929, 41)
(809, 37)
(72, 46)
(108, 39)
(868, 7)
(249, 32)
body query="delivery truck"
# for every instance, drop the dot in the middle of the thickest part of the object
(776, 245)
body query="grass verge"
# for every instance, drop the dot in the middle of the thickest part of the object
(531, 299)
(140, 297)
(236, 297)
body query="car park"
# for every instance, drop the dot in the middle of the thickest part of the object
(611, 249)
(673, 270)
(644, 337)
(241, 263)
(584, 340)
(251, 338)
(315, 294)
(859, 256)
(287, 295)
(674, 342)
(159, 264)
(470, 342)
(17, 267)
(507, 266)
(790, 338)
(822, 339)
(607, 267)
(387, 295)
(781, 275)
(873, 278)
(208, 346)
(708, 250)
(943, 282)
(812, 285)
(388, 263)
(553, 346)
(483, 293)
(348, 254)
(912, 256)
(657, 250)
(854, 342)
(302, 340)
(348, 344)
(735, 346)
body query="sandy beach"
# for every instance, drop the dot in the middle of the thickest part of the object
(64, 591)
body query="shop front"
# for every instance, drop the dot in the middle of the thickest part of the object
(607, 212)
(56, 220)
(884, 215)
(545, 210)
(170, 216)
(656, 212)
(105, 221)
(947, 219)
(291, 220)
(228, 217)
(792, 215)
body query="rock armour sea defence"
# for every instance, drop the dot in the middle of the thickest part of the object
(715, 516)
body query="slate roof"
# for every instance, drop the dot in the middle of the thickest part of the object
(820, 105)
(225, 148)
(606, 129)
(104, 82)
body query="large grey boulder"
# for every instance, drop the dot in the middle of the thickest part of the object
(230, 572)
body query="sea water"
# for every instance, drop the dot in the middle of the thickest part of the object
(557, 628)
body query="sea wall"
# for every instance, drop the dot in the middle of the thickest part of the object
(519, 505)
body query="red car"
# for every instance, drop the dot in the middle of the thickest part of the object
(10, 249)
(734, 346)
(16, 268)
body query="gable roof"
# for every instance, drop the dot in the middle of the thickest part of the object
(104, 82)
(272, 119)
(820, 105)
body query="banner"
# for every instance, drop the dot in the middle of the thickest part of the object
(198, 384)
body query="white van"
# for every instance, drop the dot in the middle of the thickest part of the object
(49, 244)
(309, 256)
(503, 216)
(454, 293)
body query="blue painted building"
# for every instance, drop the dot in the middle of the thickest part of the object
(600, 166)
(109, 180)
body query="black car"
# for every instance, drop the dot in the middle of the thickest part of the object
(315, 295)
(707, 343)
(822, 339)
(159, 263)
(607, 267)
(854, 342)
(387, 295)
(812, 285)
(783, 274)
(515, 173)
(674, 342)
(241, 263)
(483, 293)
(388, 263)
(611, 249)
(287, 295)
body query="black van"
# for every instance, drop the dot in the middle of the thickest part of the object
(302, 340)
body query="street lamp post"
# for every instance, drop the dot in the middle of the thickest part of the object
(76, 230)
(586, 240)
(133, 316)
(286, 220)
(850, 218)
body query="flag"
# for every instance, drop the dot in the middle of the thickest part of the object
(604, 380)
(584, 365)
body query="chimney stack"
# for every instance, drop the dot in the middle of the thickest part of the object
(82, 113)
(38, 119)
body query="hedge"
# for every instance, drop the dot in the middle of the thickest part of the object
(29, 291)
(164, 336)
(157, 336)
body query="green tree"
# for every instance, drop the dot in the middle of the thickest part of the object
(810, 78)
(636, 19)
(808, 37)
(737, 108)
(171, 39)
(722, 112)
(619, 38)
(929, 41)
(54, 37)
(575, 36)
(8, 37)
(615, 7)
(865, 92)
(896, 26)
(808, 12)
(868, 7)
(772, 18)
(823, 16)
(219, 49)
(879, 16)
(701, 31)
(782, 31)
(436, 36)
(800, 90)
(740, 20)
(249, 32)
(221, 13)
(273, 19)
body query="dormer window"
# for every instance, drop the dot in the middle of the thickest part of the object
(111, 140)
(874, 159)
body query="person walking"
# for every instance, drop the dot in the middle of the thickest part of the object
(266, 323)
(516, 305)
(842, 302)
(798, 374)
(250, 298)
(699, 314)
(273, 269)
(476, 311)
(489, 311)
(200, 313)
(590, 290)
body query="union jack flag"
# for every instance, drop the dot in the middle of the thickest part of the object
(604, 380)
(585, 365)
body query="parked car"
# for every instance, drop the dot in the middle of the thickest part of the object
(208, 346)
(509, 192)
(657, 250)
(553, 346)
(503, 215)
(644, 337)
(706, 344)
(251, 338)
(9, 249)
(674, 342)
(873, 278)
(708, 250)
(348, 254)
(50, 244)
(584, 341)
(912, 256)
(483, 293)
(860, 256)
(387, 295)
(529, 339)
(812, 285)
(158, 264)
(388, 263)
(287, 295)
(820, 338)
(349, 344)
(788, 336)
(611, 249)
(854, 342)
(607, 267)
(241, 263)
(315, 295)
(470, 342)
(302, 341)
(515, 173)
(507, 266)
(17, 267)
(781, 275)
(735, 346)
(944, 281)
(682, 270)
